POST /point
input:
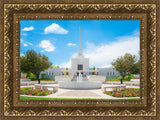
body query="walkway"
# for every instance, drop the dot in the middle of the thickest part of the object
(68, 93)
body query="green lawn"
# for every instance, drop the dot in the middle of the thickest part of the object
(43, 80)
(38, 98)
(117, 80)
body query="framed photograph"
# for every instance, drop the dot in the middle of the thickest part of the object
(80, 60)
(73, 69)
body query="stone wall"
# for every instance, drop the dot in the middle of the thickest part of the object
(63, 78)
(99, 78)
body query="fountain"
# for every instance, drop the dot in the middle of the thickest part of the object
(79, 77)
(80, 83)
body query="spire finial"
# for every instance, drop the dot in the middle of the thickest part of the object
(80, 49)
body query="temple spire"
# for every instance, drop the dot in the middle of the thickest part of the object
(80, 49)
(79, 38)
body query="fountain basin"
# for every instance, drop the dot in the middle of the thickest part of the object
(53, 87)
(80, 85)
(110, 87)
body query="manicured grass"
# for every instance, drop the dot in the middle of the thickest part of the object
(44, 80)
(117, 80)
(38, 98)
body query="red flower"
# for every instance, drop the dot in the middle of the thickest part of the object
(127, 93)
(36, 93)
(43, 93)
(132, 93)
(30, 94)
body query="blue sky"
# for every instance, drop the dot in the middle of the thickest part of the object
(102, 40)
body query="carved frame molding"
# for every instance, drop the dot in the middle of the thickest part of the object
(13, 13)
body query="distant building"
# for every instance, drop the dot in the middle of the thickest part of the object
(52, 72)
(109, 71)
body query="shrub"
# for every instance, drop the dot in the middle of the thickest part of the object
(118, 78)
(43, 74)
(31, 76)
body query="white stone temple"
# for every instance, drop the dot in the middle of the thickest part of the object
(79, 63)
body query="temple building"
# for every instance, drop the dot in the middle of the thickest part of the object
(80, 64)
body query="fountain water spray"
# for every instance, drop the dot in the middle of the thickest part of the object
(79, 77)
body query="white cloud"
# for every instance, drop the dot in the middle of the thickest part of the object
(102, 55)
(25, 45)
(65, 64)
(28, 28)
(71, 44)
(136, 32)
(22, 54)
(24, 34)
(29, 43)
(55, 28)
(21, 40)
(47, 46)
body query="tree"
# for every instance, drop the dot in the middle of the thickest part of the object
(54, 66)
(136, 68)
(67, 71)
(124, 64)
(34, 63)
(93, 73)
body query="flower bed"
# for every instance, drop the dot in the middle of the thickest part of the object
(130, 92)
(31, 91)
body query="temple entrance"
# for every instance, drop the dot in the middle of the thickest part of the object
(80, 67)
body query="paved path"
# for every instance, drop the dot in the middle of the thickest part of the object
(78, 93)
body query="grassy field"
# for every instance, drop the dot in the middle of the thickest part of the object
(38, 98)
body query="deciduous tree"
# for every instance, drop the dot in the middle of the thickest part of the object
(124, 64)
(34, 63)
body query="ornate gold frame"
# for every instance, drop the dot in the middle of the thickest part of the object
(12, 12)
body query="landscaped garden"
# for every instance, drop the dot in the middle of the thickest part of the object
(129, 92)
(33, 92)
(33, 77)
(127, 78)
